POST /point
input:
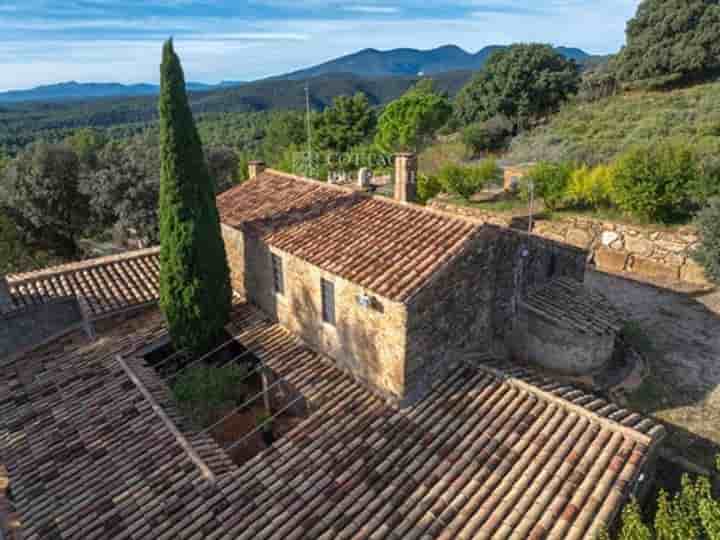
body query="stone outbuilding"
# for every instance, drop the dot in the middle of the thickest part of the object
(395, 293)
(564, 327)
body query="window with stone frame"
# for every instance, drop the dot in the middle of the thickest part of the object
(278, 274)
(327, 289)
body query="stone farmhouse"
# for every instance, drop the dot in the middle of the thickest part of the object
(394, 323)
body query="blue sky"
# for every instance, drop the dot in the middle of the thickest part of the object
(49, 41)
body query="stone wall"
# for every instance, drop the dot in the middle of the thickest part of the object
(647, 252)
(650, 253)
(451, 315)
(29, 327)
(521, 261)
(539, 339)
(368, 342)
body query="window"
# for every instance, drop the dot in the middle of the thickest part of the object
(278, 277)
(327, 289)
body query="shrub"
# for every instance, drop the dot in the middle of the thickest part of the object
(655, 182)
(466, 181)
(550, 182)
(428, 187)
(708, 255)
(590, 188)
(487, 136)
(205, 392)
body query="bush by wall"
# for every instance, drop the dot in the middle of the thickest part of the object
(655, 182)
(708, 255)
(590, 187)
(550, 181)
(467, 181)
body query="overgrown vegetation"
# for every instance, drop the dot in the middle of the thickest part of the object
(205, 392)
(466, 181)
(708, 255)
(690, 514)
(597, 132)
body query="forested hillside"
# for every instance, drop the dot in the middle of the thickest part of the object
(21, 124)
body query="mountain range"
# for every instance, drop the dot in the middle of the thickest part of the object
(72, 90)
(412, 62)
(370, 63)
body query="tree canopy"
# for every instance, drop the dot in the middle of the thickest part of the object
(345, 124)
(407, 123)
(523, 82)
(671, 39)
(195, 291)
(41, 193)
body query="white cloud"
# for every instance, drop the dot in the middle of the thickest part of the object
(373, 9)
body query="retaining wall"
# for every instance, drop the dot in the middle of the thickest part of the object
(649, 253)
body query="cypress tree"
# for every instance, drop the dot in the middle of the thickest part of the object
(195, 291)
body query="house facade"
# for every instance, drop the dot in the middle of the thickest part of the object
(394, 293)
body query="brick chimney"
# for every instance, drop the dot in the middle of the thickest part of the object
(405, 177)
(255, 168)
(6, 301)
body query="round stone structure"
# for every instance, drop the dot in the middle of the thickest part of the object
(564, 327)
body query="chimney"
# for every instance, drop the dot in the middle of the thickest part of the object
(405, 177)
(255, 168)
(6, 301)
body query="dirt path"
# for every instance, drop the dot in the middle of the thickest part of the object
(683, 388)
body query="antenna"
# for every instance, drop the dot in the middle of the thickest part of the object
(531, 191)
(308, 163)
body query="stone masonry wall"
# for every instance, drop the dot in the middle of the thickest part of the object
(450, 316)
(368, 342)
(521, 261)
(646, 252)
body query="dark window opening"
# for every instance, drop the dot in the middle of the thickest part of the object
(552, 267)
(328, 301)
(278, 276)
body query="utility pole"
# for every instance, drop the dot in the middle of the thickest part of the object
(308, 157)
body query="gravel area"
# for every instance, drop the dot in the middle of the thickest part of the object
(682, 326)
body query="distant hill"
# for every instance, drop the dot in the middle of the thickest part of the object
(412, 62)
(368, 63)
(23, 122)
(73, 91)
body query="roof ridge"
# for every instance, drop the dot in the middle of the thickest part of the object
(388, 200)
(62, 269)
(522, 384)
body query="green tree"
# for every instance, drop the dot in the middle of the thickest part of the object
(285, 129)
(466, 181)
(41, 193)
(550, 182)
(523, 82)
(409, 122)
(671, 40)
(86, 143)
(347, 123)
(195, 291)
(708, 255)
(655, 182)
(223, 163)
(124, 187)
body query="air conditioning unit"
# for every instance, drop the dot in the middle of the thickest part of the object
(364, 300)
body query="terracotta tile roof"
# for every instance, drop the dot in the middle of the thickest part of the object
(569, 302)
(389, 248)
(87, 456)
(104, 285)
(484, 455)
